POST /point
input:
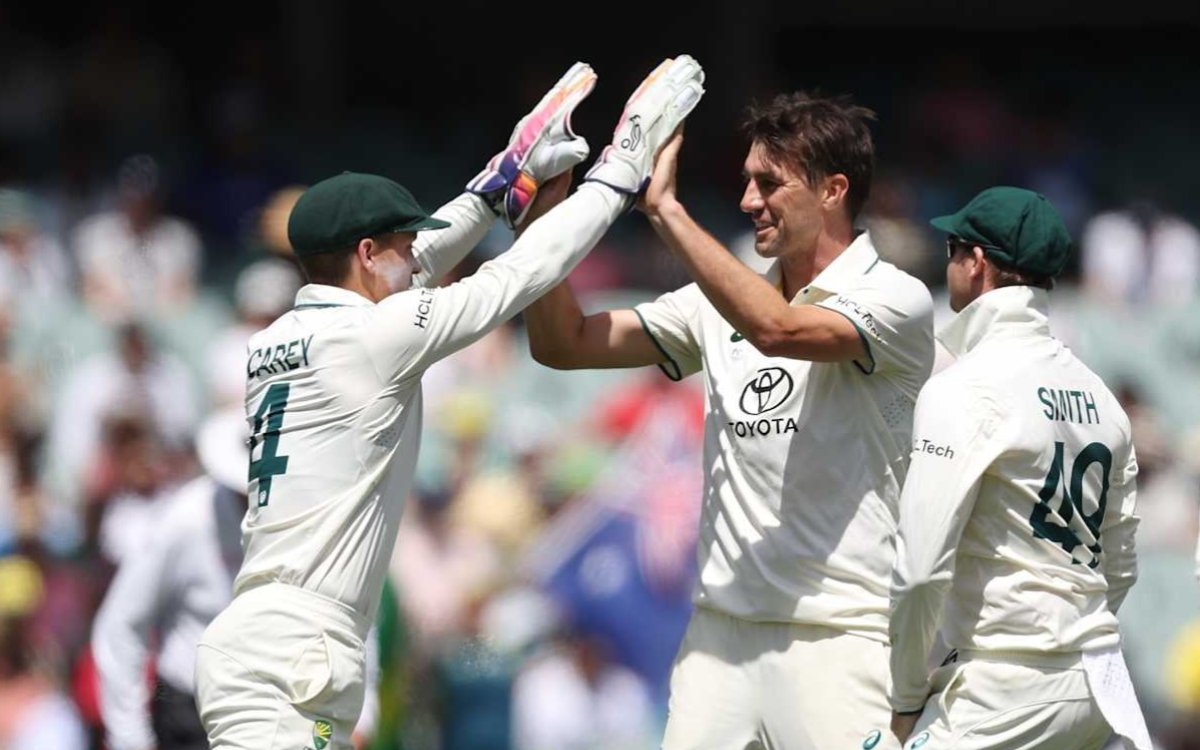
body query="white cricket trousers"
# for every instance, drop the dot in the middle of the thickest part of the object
(739, 684)
(281, 668)
(1011, 701)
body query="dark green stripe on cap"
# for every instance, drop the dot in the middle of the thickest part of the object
(336, 213)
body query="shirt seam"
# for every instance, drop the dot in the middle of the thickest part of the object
(678, 376)
(865, 342)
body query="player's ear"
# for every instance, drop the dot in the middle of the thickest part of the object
(836, 188)
(365, 250)
(980, 264)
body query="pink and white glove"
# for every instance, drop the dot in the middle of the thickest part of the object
(652, 113)
(542, 146)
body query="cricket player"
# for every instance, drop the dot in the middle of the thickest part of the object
(811, 373)
(1017, 515)
(334, 396)
(169, 592)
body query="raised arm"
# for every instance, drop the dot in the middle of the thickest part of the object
(562, 337)
(541, 147)
(436, 322)
(437, 252)
(745, 299)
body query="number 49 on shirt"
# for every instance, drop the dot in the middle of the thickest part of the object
(267, 422)
(1072, 504)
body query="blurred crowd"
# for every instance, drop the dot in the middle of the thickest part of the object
(541, 581)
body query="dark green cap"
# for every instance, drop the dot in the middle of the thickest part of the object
(338, 212)
(1017, 228)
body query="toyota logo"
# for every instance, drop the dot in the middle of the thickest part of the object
(769, 388)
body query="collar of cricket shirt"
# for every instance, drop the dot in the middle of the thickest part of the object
(313, 296)
(1004, 311)
(857, 259)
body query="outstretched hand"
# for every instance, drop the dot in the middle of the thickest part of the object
(549, 195)
(661, 188)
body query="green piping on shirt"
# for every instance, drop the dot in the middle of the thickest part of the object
(317, 306)
(678, 376)
(866, 342)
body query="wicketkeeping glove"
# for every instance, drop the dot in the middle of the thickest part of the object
(651, 115)
(542, 146)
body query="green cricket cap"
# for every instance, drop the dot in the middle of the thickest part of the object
(1017, 228)
(336, 213)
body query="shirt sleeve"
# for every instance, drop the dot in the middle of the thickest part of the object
(1117, 536)
(896, 325)
(671, 321)
(416, 328)
(953, 445)
(121, 646)
(438, 251)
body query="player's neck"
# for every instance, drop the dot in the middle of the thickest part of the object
(799, 269)
(358, 282)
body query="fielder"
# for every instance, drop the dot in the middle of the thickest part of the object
(1017, 514)
(334, 396)
(169, 591)
(811, 374)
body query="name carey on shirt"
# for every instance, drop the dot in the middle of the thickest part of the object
(278, 358)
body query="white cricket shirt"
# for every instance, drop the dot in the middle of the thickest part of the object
(175, 583)
(1017, 514)
(333, 396)
(803, 460)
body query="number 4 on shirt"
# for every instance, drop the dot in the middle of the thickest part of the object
(267, 421)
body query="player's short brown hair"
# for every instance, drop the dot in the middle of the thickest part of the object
(817, 136)
(1005, 275)
(327, 268)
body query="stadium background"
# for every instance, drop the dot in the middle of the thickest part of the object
(540, 585)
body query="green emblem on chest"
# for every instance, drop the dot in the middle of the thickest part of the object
(322, 733)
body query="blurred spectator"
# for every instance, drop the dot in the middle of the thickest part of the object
(573, 696)
(125, 490)
(139, 379)
(273, 219)
(508, 503)
(264, 290)
(136, 260)
(1166, 489)
(440, 568)
(890, 216)
(1141, 255)
(472, 685)
(34, 711)
(33, 266)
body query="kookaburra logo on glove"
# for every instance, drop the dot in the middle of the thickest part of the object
(651, 116)
(635, 134)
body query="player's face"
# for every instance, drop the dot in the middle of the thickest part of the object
(393, 263)
(786, 211)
